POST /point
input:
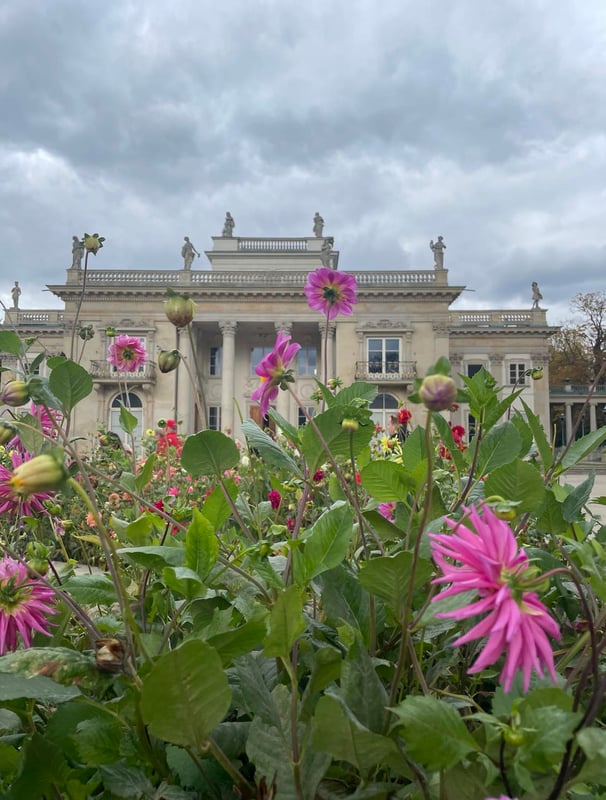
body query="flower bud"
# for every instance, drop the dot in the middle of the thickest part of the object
(86, 333)
(7, 432)
(536, 374)
(15, 393)
(437, 392)
(179, 309)
(41, 474)
(110, 332)
(351, 425)
(168, 360)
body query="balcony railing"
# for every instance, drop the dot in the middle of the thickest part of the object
(577, 389)
(386, 372)
(103, 372)
(491, 318)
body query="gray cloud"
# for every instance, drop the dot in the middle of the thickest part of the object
(399, 121)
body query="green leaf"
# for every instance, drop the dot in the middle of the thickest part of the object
(581, 449)
(446, 435)
(519, 481)
(326, 545)
(39, 688)
(153, 556)
(238, 641)
(91, 590)
(337, 732)
(61, 664)
(145, 474)
(11, 343)
(30, 432)
(413, 450)
(286, 623)
(191, 683)
(338, 441)
(344, 599)
(183, 580)
(592, 742)
(387, 481)
(209, 453)
(70, 383)
(546, 732)
(551, 519)
(215, 507)
(128, 421)
(388, 577)
(287, 428)
(500, 446)
(435, 734)
(578, 497)
(43, 767)
(124, 781)
(356, 391)
(201, 545)
(269, 450)
(541, 441)
(362, 690)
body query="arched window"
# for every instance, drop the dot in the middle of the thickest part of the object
(382, 407)
(134, 405)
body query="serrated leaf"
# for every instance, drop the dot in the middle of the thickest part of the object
(39, 688)
(286, 623)
(145, 474)
(435, 734)
(268, 449)
(387, 481)
(388, 577)
(581, 449)
(500, 446)
(326, 545)
(70, 383)
(183, 580)
(578, 497)
(90, 590)
(11, 343)
(201, 545)
(153, 556)
(191, 683)
(215, 507)
(209, 453)
(518, 481)
(338, 441)
(541, 441)
(131, 783)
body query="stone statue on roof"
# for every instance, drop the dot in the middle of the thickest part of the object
(77, 253)
(536, 295)
(438, 252)
(326, 252)
(228, 226)
(16, 294)
(188, 251)
(318, 225)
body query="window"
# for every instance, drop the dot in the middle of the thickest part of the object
(382, 407)
(383, 355)
(472, 369)
(214, 418)
(302, 418)
(133, 404)
(516, 373)
(215, 363)
(307, 358)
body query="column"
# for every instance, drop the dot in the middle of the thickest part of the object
(593, 421)
(568, 412)
(328, 346)
(184, 395)
(228, 330)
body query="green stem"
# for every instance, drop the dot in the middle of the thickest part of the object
(78, 308)
(198, 385)
(245, 788)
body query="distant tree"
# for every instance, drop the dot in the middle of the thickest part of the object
(577, 351)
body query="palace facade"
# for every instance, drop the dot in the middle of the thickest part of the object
(250, 289)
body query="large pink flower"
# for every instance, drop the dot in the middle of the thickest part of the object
(331, 292)
(126, 353)
(24, 605)
(14, 504)
(493, 566)
(273, 370)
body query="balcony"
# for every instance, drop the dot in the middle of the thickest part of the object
(386, 372)
(103, 373)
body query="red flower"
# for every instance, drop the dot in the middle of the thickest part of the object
(458, 432)
(318, 476)
(275, 498)
(290, 523)
(358, 478)
(404, 416)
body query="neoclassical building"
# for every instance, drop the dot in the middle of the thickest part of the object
(250, 289)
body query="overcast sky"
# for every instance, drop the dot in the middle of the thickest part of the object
(397, 120)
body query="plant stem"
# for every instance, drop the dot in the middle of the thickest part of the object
(78, 308)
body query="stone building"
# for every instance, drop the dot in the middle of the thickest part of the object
(252, 288)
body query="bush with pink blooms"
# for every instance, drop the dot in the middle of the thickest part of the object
(317, 614)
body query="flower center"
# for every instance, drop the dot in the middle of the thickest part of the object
(12, 596)
(331, 294)
(127, 354)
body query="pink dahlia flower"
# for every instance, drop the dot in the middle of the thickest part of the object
(25, 604)
(387, 510)
(331, 292)
(14, 503)
(126, 353)
(275, 498)
(273, 371)
(516, 624)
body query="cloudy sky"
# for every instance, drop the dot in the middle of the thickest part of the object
(398, 120)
